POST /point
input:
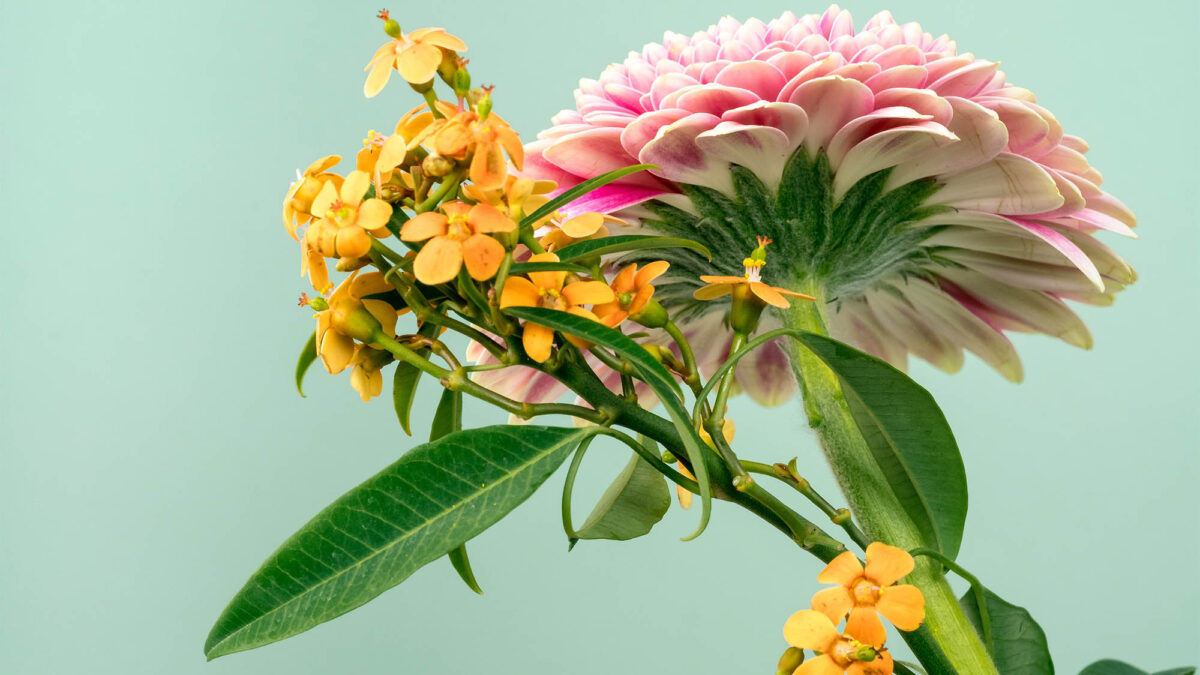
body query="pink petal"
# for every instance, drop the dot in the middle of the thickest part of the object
(763, 150)
(981, 137)
(645, 128)
(831, 102)
(675, 151)
(765, 374)
(888, 149)
(1009, 184)
(870, 124)
(761, 78)
(787, 117)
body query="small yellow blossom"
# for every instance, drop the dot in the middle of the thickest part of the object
(415, 55)
(340, 320)
(342, 231)
(456, 237)
(633, 290)
(381, 154)
(749, 285)
(837, 653)
(464, 137)
(547, 289)
(863, 592)
(297, 204)
(367, 378)
(516, 198)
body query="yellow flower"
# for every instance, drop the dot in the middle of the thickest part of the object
(462, 136)
(516, 198)
(297, 204)
(457, 236)
(415, 55)
(367, 378)
(633, 290)
(863, 592)
(341, 319)
(341, 232)
(567, 231)
(383, 153)
(838, 654)
(547, 289)
(748, 286)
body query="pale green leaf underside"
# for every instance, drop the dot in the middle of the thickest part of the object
(631, 506)
(435, 498)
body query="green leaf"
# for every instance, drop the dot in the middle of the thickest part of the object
(583, 188)
(902, 668)
(307, 356)
(462, 565)
(634, 503)
(909, 438)
(1020, 644)
(527, 267)
(404, 391)
(1114, 667)
(589, 248)
(436, 497)
(654, 375)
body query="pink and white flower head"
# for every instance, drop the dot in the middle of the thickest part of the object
(935, 205)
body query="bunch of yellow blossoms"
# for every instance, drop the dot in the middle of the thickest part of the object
(441, 184)
(860, 596)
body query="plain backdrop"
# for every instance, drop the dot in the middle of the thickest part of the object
(153, 450)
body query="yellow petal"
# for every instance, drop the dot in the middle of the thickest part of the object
(864, 625)
(439, 261)
(486, 218)
(768, 294)
(418, 63)
(384, 313)
(819, 665)
(722, 280)
(370, 283)
(336, 350)
(537, 340)
(712, 291)
(488, 169)
(438, 37)
(355, 187)
(582, 225)
(588, 293)
(424, 226)
(626, 280)
(833, 603)
(548, 280)
(685, 495)
(322, 165)
(887, 564)
(373, 216)
(392, 153)
(903, 605)
(651, 272)
(380, 73)
(352, 242)
(482, 255)
(842, 570)
(325, 199)
(809, 629)
(519, 292)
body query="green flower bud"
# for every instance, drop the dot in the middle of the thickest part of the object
(652, 315)
(392, 28)
(746, 310)
(462, 81)
(790, 661)
(437, 166)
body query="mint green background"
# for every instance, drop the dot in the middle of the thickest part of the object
(153, 451)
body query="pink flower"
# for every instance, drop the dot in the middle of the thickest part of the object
(934, 205)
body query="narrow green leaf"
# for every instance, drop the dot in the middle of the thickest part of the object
(583, 188)
(527, 267)
(462, 565)
(903, 668)
(448, 417)
(654, 375)
(1020, 643)
(436, 497)
(634, 503)
(621, 243)
(307, 356)
(1114, 667)
(909, 438)
(404, 391)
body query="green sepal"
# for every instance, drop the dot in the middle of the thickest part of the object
(307, 355)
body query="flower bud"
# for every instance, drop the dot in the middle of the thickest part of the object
(790, 661)
(389, 24)
(461, 81)
(483, 103)
(651, 315)
(437, 166)
(865, 653)
(746, 310)
(350, 263)
(318, 304)
(656, 351)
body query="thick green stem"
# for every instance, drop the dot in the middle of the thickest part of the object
(946, 640)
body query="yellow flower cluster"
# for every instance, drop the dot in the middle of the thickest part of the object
(859, 596)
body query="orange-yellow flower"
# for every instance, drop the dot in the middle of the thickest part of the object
(566, 231)
(808, 629)
(415, 55)
(367, 378)
(340, 319)
(863, 592)
(456, 237)
(462, 136)
(547, 289)
(341, 232)
(297, 204)
(750, 285)
(384, 153)
(633, 290)
(516, 198)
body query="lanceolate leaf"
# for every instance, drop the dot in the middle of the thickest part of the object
(307, 356)
(435, 498)
(621, 243)
(462, 565)
(583, 188)
(909, 438)
(527, 267)
(1114, 667)
(446, 420)
(634, 503)
(404, 391)
(1020, 644)
(651, 371)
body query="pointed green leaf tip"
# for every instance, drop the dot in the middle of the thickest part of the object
(307, 356)
(1020, 643)
(431, 501)
(1114, 667)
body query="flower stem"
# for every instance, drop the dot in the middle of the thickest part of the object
(946, 641)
